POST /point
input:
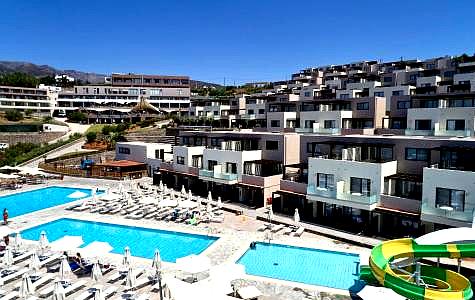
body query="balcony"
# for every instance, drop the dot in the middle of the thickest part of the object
(341, 197)
(221, 177)
(445, 132)
(329, 131)
(411, 131)
(446, 215)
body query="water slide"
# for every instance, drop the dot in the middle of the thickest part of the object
(392, 264)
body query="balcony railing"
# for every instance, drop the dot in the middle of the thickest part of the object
(444, 132)
(338, 195)
(447, 212)
(223, 176)
(411, 131)
(319, 130)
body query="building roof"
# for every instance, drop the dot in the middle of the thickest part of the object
(121, 163)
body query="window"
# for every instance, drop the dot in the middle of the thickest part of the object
(307, 94)
(398, 93)
(325, 181)
(403, 104)
(124, 150)
(250, 112)
(309, 147)
(344, 96)
(461, 103)
(197, 161)
(215, 112)
(211, 164)
(262, 111)
(388, 79)
(379, 94)
(423, 124)
(274, 123)
(180, 160)
(231, 168)
(455, 125)
(360, 186)
(448, 198)
(329, 124)
(272, 145)
(160, 154)
(413, 77)
(417, 154)
(309, 123)
(362, 106)
(449, 73)
(214, 142)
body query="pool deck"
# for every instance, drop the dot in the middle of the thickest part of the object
(235, 234)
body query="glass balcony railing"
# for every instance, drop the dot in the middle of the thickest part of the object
(411, 131)
(447, 212)
(333, 194)
(319, 130)
(206, 173)
(444, 132)
(212, 174)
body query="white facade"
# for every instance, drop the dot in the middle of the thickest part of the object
(277, 121)
(319, 117)
(434, 178)
(440, 116)
(428, 81)
(186, 154)
(140, 151)
(342, 170)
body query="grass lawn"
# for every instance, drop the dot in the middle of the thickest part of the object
(97, 128)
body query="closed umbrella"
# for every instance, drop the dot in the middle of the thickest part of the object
(157, 261)
(58, 292)
(172, 194)
(210, 199)
(96, 273)
(98, 294)
(8, 257)
(190, 196)
(26, 287)
(130, 279)
(18, 242)
(126, 257)
(64, 269)
(208, 208)
(34, 262)
(296, 217)
(220, 203)
(160, 186)
(43, 241)
(271, 214)
(183, 190)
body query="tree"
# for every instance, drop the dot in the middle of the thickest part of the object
(77, 116)
(91, 136)
(107, 129)
(28, 113)
(19, 79)
(13, 115)
(48, 80)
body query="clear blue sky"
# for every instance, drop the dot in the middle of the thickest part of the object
(242, 40)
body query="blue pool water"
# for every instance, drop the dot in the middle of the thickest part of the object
(30, 201)
(141, 241)
(311, 266)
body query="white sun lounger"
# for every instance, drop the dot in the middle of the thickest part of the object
(11, 295)
(263, 227)
(70, 289)
(22, 257)
(144, 296)
(299, 231)
(14, 276)
(277, 228)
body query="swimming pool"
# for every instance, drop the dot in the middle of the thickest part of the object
(30, 201)
(141, 241)
(311, 266)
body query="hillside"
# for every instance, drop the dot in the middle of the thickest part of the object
(46, 70)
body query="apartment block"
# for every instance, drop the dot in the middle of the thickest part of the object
(40, 101)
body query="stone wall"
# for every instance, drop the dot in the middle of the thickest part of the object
(29, 137)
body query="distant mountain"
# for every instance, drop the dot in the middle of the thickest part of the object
(45, 70)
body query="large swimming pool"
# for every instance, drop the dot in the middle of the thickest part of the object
(30, 201)
(141, 241)
(311, 266)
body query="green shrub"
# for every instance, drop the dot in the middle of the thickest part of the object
(91, 136)
(77, 117)
(13, 115)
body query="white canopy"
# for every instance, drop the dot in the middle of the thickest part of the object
(96, 249)
(8, 176)
(5, 230)
(187, 204)
(193, 264)
(77, 195)
(168, 203)
(67, 242)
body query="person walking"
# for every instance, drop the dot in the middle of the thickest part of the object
(5, 216)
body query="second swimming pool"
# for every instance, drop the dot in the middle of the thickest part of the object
(141, 241)
(310, 266)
